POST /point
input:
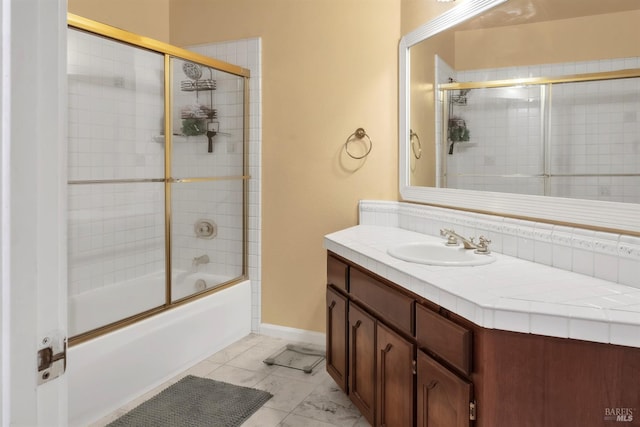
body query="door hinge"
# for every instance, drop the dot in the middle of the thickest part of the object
(472, 411)
(52, 357)
(414, 367)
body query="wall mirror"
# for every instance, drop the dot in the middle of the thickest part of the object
(525, 108)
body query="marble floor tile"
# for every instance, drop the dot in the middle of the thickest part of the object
(238, 347)
(237, 376)
(287, 393)
(253, 359)
(203, 368)
(328, 405)
(299, 399)
(266, 417)
(299, 421)
(316, 376)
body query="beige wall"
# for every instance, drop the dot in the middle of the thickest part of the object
(416, 12)
(329, 67)
(149, 18)
(609, 36)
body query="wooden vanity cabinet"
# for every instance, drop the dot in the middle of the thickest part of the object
(381, 347)
(410, 362)
(395, 369)
(337, 344)
(442, 397)
(400, 360)
(362, 361)
(444, 364)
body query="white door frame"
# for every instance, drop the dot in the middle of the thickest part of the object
(33, 263)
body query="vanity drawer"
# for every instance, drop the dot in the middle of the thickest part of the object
(337, 273)
(389, 304)
(439, 335)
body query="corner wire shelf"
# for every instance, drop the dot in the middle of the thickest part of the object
(203, 112)
(197, 85)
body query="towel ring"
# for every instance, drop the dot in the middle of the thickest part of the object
(416, 154)
(360, 133)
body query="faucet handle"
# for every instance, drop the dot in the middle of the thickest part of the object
(452, 240)
(483, 246)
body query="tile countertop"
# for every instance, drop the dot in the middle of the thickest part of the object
(510, 294)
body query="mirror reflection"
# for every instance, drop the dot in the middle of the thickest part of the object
(537, 98)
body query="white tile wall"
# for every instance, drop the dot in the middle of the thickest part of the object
(510, 294)
(116, 105)
(220, 202)
(607, 256)
(594, 129)
(247, 53)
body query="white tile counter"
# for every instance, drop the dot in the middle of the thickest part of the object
(510, 294)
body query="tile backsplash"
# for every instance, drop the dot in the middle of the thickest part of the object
(607, 256)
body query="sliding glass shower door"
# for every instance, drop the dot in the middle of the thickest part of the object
(156, 177)
(207, 178)
(116, 181)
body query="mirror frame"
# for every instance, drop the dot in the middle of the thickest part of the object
(592, 214)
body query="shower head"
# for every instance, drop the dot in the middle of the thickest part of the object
(191, 70)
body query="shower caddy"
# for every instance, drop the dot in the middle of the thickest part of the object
(199, 119)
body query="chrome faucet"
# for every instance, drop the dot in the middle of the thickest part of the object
(453, 238)
(202, 259)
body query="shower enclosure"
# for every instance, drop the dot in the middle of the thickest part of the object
(157, 177)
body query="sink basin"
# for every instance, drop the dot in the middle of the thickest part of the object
(439, 254)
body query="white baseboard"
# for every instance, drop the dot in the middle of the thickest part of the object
(293, 334)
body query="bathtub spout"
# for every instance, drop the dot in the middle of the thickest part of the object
(202, 259)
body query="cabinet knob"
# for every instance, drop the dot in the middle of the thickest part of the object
(432, 384)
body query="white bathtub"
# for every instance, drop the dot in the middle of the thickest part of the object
(102, 306)
(109, 371)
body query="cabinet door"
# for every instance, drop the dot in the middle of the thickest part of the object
(395, 369)
(337, 344)
(337, 273)
(443, 398)
(362, 368)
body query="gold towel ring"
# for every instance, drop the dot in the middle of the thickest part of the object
(416, 154)
(360, 133)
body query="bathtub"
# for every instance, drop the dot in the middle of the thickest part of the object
(111, 370)
(102, 306)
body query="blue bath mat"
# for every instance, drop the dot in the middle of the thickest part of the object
(196, 402)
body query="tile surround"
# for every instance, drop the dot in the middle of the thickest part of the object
(247, 53)
(572, 249)
(576, 283)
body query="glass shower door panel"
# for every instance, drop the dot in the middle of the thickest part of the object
(207, 235)
(594, 140)
(116, 181)
(116, 110)
(207, 123)
(116, 252)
